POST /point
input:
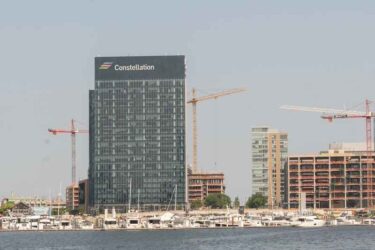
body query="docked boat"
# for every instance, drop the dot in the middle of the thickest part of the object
(23, 224)
(34, 222)
(110, 223)
(347, 220)
(86, 225)
(308, 221)
(276, 221)
(65, 225)
(133, 223)
(369, 221)
(206, 223)
(154, 223)
(44, 224)
(252, 221)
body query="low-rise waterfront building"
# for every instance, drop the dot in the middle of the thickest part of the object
(203, 184)
(72, 197)
(35, 201)
(21, 209)
(336, 178)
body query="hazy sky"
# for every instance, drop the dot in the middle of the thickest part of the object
(312, 53)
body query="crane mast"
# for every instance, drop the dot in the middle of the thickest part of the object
(72, 131)
(74, 160)
(194, 102)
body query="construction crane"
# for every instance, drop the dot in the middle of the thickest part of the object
(194, 102)
(332, 114)
(72, 131)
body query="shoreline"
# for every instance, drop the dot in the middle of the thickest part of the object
(175, 229)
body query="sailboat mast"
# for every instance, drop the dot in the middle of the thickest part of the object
(130, 195)
(175, 198)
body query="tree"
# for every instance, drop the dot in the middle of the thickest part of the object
(7, 206)
(196, 204)
(217, 201)
(236, 202)
(60, 211)
(256, 201)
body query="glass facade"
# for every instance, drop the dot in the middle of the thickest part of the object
(269, 152)
(137, 133)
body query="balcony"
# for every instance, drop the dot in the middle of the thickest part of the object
(322, 184)
(294, 185)
(353, 184)
(307, 170)
(352, 169)
(338, 162)
(337, 191)
(307, 177)
(294, 191)
(338, 198)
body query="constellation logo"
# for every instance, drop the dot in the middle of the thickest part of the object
(106, 65)
(135, 67)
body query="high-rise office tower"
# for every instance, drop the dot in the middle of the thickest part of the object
(137, 133)
(269, 156)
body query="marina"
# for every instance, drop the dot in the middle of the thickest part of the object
(180, 220)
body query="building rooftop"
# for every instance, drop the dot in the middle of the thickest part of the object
(265, 129)
(337, 149)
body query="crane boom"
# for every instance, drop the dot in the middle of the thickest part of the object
(323, 110)
(330, 115)
(60, 131)
(215, 95)
(194, 102)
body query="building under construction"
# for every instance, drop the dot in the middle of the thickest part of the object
(203, 184)
(341, 177)
(72, 196)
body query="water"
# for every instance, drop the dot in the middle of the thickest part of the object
(350, 237)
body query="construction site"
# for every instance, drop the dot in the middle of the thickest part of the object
(340, 178)
(202, 183)
(72, 191)
(333, 179)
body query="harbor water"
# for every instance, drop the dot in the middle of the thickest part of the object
(345, 237)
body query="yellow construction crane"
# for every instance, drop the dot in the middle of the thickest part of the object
(194, 102)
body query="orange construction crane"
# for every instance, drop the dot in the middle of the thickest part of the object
(72, 131)
(194, 102)
(331, 114)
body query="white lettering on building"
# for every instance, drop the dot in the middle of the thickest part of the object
(135, 67)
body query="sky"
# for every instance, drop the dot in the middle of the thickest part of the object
(312, 53)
